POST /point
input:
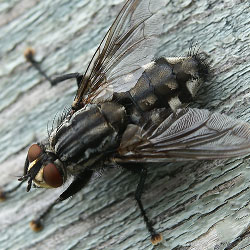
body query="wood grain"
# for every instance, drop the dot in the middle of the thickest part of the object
(199, 205)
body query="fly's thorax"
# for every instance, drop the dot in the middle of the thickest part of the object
(114, 114)
(88, 133)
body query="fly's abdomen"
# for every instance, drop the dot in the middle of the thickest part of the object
(169, 82)
(88, 133)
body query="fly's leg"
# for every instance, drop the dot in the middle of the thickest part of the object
(62, 78)
(36, 224)
(155, 237)
(29, 55)
(4, 194)
(142, 171)
(77, 184)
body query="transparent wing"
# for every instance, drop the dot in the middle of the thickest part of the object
(130, 43)
(190, 134)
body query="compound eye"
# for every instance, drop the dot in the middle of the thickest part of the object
(34, 152)
(52, 176)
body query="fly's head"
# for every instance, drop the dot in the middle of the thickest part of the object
(43, 168)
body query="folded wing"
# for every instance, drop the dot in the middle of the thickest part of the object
(130, 43)
(189, 134)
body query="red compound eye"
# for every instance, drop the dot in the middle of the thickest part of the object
(52, 176)
(34, 152)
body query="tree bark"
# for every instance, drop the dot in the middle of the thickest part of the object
(197, 205)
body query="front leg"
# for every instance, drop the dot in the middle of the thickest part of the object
(6, 193)
(80, 181)
(77, 184)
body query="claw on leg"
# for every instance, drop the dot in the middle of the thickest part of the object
(2, 196)
(156, 239)
(29, 54)
(36, 225)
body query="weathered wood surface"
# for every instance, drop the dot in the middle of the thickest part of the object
(200, 205)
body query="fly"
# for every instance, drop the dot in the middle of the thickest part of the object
(130, 110)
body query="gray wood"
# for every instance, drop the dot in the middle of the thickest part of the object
(198, 205)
